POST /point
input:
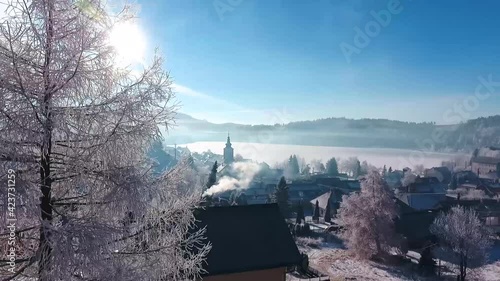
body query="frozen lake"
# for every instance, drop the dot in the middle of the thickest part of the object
(274, 153)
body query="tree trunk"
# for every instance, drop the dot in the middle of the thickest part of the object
(463, 266)
(46, 150)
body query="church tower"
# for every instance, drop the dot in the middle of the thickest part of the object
(228, 152)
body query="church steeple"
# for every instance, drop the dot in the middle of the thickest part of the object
(228, 151)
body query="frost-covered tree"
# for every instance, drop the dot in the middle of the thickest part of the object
(281, 197)
(365, 168)
(463, 235)
(317, 166)
(76, 129)
(368, 218)
(306, 170)
(351, 166)
(419, 169)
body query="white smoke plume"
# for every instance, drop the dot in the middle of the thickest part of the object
(242, 173)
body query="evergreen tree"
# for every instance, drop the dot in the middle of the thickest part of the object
(357, 170)
(332, 167)
(384, 171)
(293, 165)
(212, 178)
(300, 214)
(390, 169)
(328, 215)
(280, 196)
(316, 211)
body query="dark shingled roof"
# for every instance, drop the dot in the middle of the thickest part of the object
(422, 201)
(486, 160)
(247, 238)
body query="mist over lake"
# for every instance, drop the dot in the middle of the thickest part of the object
(274, 153)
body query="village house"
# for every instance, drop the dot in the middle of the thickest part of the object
(414, 226)
(250, 242)
(394, 178)
(303, 192)
(486, 160)
(488, 210)
(424, 194)
(443, 174)
(422, 201)
(323, 200)
(334, 196)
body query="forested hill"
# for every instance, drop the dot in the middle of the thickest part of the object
(346, 132)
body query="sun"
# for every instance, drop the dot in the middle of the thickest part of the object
(129, 42)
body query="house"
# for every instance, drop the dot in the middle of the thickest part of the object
(422, 201)
(443, 174)
(462, 177)
(304, 191)
(491, 188)
(485, 160)
(488, 210)
(394, 178)
(332, 197)
(415, 227)
(326, 180)
(426, 185)
(250, 242)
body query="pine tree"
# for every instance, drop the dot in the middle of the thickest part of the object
(328, 215)
(212, 178)
(390, 169)
(332, 167)
(293, 164)
(300, 214)
(280, 196)
(357, 169)
(384, 171)
(316, 211)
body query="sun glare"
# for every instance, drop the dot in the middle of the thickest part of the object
(129, 42)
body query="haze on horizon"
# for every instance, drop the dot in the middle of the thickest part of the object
(245, 61)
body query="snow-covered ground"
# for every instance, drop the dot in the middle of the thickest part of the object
(340, 265)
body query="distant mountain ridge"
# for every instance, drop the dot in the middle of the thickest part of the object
(383, 133)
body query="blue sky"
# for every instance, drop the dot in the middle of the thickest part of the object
(268, 61)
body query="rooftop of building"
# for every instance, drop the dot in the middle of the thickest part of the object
(246, 238)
